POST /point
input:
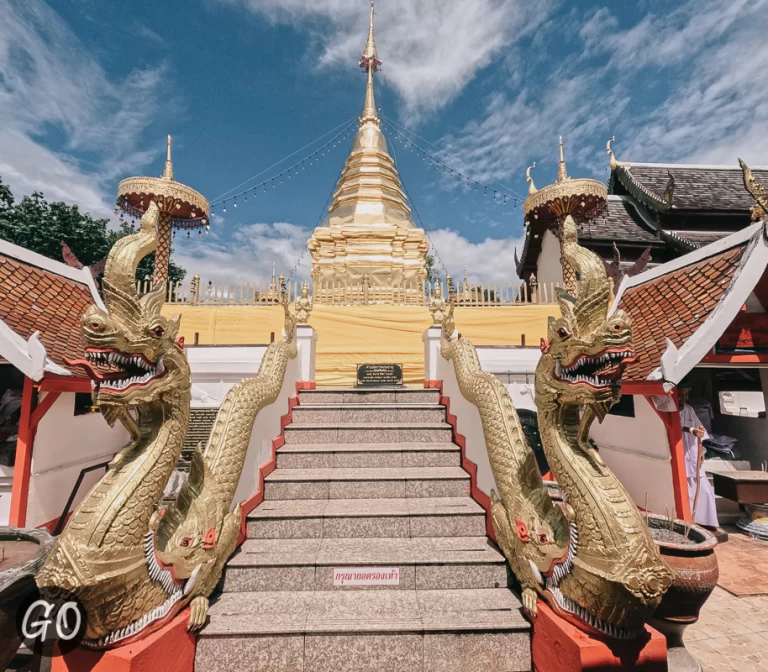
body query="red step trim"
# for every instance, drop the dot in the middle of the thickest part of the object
(468, 465)
(250, 503)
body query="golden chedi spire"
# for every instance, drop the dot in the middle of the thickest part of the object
(368, 230)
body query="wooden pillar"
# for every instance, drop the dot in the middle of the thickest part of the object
(671, 421)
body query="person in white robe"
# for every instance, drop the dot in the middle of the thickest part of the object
(693, 431)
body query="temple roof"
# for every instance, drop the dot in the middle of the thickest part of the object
(695, 188)
(621, 222)
(44, 296)
(679, 309)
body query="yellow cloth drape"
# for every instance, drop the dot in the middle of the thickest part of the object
(352, 335)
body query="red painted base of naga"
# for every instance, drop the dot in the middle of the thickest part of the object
(559, 646)
(170, 649)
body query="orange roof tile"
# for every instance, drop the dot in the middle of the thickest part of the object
(35, 299)
(674, 306)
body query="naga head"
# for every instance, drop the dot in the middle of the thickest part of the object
(586, 350)
(132, 353)
(188, 533)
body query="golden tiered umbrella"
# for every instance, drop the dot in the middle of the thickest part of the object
(181, 207)
(582, 198)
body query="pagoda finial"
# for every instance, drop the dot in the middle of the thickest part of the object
(370, 58)
(370, 63)
(168, 170)
(562, 174)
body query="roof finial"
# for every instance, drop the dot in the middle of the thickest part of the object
(168, 171)
(370, 63)
(562, 175)
(531, 186)
(613, 161)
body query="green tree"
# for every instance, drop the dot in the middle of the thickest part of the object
(432, 274)
(40, 226)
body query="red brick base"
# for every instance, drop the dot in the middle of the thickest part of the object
(559, 646)
(170, 649)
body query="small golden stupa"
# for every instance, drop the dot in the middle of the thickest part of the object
(181, 207)
(368, 237)
(580, 198)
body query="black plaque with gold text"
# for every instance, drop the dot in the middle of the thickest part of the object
(379, 375)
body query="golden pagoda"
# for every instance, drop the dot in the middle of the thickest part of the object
(368, 238)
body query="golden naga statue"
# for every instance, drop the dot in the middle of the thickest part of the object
(593, 561)
(133, 568)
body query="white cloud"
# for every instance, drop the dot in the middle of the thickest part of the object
(431, 49)
(491, 260)
(249, 256)
(682, 85)
(50, 82)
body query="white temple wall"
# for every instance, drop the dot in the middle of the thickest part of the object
(65, 444)
(637, 451)
(215, 369)
(549, 267)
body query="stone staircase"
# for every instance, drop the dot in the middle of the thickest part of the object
(200, 425)
(368, 488)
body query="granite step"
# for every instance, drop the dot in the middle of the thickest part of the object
(367, 518)
(426, 563)
(366, 631)
(379, 432)
(370, 455)
(363, 413)
(338, 395)
(377, 483)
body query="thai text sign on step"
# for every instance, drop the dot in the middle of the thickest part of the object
(366, 576)
(379, 374)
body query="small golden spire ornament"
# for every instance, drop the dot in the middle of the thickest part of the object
(168, 170)
(562, 173)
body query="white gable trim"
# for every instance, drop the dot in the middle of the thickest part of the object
(29, 357)
(676, 363)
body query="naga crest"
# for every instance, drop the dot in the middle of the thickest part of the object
(585, 351)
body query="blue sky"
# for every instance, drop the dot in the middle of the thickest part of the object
(90, 88)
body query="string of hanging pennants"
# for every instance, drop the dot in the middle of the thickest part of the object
(287, 173)
(499, 195)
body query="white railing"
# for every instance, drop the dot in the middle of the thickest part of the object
(469, 294)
